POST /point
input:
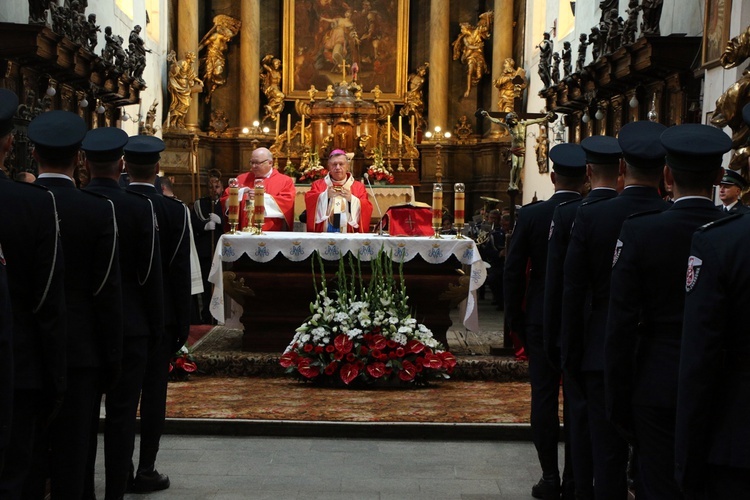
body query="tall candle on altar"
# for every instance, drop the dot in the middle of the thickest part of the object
(400, 135)
(259, 213)
(412, 130)
(388, 131)
(459, 197)
(288, 127)
(233, 209)
(278, 122)
(302, 133)
(437, 204)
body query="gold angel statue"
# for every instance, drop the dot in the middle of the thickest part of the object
(270, 80)
(414, 101)
(510, 84)
(469, 47)
(182, 82)
(216, 42)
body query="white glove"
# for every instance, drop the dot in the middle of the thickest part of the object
(210, 225)
(212, 217)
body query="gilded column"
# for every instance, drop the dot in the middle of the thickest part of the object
(250, 65)
(502, 42)
(187, 41)
(439, 63)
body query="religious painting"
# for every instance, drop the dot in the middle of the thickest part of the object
(715, 30)
(326, 41)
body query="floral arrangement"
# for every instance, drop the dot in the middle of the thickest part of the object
(379, 171)
(312, 170)
(182, 365)
(365, 334)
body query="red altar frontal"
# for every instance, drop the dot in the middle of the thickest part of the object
(270, 277)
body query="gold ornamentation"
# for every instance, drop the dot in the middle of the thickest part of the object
(270, 78)
(469, 47)
(216, 42)
(414, 101)
(182, 82)
(510, 84)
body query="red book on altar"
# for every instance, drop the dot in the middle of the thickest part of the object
(410, 219)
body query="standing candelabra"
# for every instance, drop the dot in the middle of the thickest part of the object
(438, 135)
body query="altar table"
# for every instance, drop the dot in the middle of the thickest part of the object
(277, 286)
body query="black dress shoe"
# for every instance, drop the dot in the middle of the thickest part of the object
(546, 489)
(146, 482)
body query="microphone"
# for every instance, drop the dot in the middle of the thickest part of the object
(377, 205)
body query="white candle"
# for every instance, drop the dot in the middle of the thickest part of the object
(388, 131)
(400, 140)
(302, 133)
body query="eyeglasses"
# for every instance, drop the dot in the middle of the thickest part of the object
(258, 162)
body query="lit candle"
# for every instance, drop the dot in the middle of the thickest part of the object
(302, 133)
(278, 122)
(260, 208)
(437, 204)
(400, 139)
(233, 209)
(388, 131)
(412, 129)
(459, 196)
(288, 126)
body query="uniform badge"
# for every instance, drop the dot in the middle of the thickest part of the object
(693, 271)
(551, 230)
(2, 256)
(618, 250)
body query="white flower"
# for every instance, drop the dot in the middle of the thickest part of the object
(305, 337)
(393, 320)
(385, 301)
(352, 334)
(400, 338)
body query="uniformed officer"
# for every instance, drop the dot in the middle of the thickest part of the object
(644, 325)
(713, 391)
(31, 250)
(143, 308)
(93, 296)
(603, 156)
(587, 270)
(206, 218)
(529, 242)
(730, 189)
(142, 164)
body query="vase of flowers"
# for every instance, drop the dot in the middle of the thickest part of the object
(379, 171)
(312, 170)
(363, 334)
(182, 365)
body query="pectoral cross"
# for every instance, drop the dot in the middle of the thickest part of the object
(343, 70)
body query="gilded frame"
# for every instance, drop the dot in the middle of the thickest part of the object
(716, 21)
(312, 58)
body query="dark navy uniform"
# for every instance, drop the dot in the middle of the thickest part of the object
(529, 244)
(733, 178)
(143, 307)
(601, 151)
(712, 436)
(93, 298)
(587, 270)
(173, 219)
(33, 258)
(205, 244)
(644, 325)
(6, 360)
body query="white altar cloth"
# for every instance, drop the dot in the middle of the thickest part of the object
(332, 246)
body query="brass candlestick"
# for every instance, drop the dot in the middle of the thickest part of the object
(249, 210)
(400, 164)
(459, 231)
(233, 205)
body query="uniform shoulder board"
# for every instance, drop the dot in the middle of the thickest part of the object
(720, 222)
(92, 193)
(587, 201)
(647, 212)
(36, 186)
(568, 202)
(175, 199)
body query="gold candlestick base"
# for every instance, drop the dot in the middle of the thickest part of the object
(232, 227)
(459, 231)
(436, 236)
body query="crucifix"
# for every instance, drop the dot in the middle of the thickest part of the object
(343, 70)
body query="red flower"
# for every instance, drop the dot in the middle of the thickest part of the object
(348, 373)
(288, 359)
(330, 348)
(408, 371)
(189, 366)
(338, 355)
(376, 370)
(307, 371)
(343, 344)
(375, 353)
(400, 352)
(392, 355)
(308, 348)
(363, 350)
(414, 346)
(377, 342)
(351, 357)
(318, 349)
(433, 361)
(449, 360)
(392, 344)
(331, 368)
(360, 364)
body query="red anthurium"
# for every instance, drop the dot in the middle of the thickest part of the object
(171, 367)
(348, 372)
(408, 371)
(377, 342)
(189, 366)
(307, 371)
(414, 346)
(288, 359)
(449, 360)
(331, 368)
(343, 343)
(376, 370)
(433, 361)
